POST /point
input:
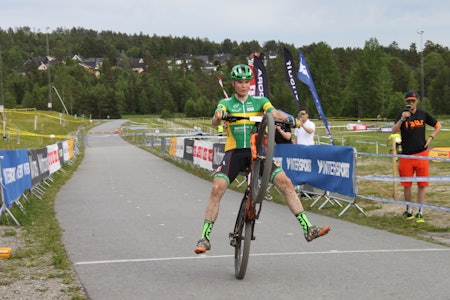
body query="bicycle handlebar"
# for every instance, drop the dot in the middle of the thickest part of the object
(256, 119)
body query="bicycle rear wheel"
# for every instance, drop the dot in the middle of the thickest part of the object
(242, 240)
(265, 142)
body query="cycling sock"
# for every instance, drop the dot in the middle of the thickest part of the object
(303, 219)
(409, 209)
(207, 227)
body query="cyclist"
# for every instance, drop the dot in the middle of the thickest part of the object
(238, 155)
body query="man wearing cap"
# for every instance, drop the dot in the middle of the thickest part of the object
(411, 124)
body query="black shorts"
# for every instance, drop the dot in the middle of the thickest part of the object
(236, 161)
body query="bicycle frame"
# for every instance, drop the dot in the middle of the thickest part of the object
(262, 144)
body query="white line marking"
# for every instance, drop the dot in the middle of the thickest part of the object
(203, 256)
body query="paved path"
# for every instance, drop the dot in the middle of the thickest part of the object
(131, 220)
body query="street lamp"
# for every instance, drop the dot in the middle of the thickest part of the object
(422, 84)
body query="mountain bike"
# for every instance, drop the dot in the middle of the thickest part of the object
(262, 147)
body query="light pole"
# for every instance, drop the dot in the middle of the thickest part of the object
(422, 84)
(49, 104)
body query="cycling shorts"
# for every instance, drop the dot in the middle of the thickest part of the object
(236, 161)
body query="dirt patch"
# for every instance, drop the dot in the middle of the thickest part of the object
(436, 218)
(25, 279)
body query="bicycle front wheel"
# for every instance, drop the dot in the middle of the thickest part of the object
(265, 142)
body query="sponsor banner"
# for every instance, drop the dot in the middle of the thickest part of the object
(188, 150)
(66, 150)
(260, 76)
(16, 174)
(218, 154)
(71, 145)
(36, 176)
(54, 163)
(290, 75)
(329, 168)
(44, 168)
(180, 147)
(305, 76)
(173, 146)
(441, 152)
(203, 154)
(61, 153)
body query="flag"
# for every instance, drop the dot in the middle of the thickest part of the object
(259, 72)
(290, 77)
(305, 76)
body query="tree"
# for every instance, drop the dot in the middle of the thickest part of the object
(368, 84)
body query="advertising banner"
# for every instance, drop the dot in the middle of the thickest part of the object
(329, 168)
(16, 174)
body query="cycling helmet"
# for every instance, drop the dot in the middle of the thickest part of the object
(241, 72)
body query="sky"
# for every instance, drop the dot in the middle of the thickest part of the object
(339, 23)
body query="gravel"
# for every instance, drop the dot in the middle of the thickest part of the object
(24, 279)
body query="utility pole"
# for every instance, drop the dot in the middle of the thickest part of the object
(422, 80)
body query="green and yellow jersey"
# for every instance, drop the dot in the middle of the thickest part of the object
(239, 132)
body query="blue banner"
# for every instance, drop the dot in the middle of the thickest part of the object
(327, 168)
(305, 76)
(16, 174)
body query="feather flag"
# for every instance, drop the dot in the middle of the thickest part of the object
(259, 72)
(305, 76)
(290, 77)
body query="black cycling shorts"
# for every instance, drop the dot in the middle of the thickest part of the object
(236, 161)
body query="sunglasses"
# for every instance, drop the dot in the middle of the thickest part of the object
(302, 114)
(410, 101)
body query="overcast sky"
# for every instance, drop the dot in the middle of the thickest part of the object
(339, 23)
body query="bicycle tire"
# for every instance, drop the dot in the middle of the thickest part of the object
(243, 236)
(266, 132)
(242, 250)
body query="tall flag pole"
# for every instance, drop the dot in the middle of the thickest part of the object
(290, 77)
(305, 76)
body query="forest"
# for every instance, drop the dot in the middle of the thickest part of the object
(351, 82)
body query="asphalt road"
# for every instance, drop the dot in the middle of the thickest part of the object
(131, 221)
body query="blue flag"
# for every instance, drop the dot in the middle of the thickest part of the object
(305, 76)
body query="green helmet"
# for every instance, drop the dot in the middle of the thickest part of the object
(241, 72)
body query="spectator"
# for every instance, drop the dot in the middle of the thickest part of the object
(304, 134)
(411, 124)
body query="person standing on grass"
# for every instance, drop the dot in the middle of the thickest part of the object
(411, 123)
(304, 134)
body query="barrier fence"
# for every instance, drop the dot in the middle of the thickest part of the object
(29, 171)
(329, 171)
